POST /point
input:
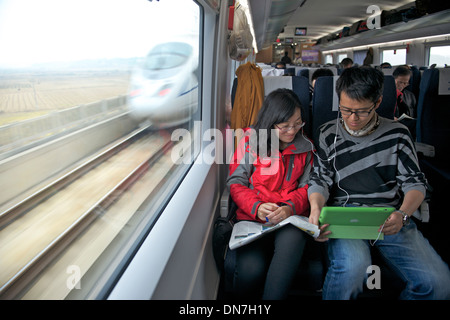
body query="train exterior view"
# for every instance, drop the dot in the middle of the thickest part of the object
(121, 123)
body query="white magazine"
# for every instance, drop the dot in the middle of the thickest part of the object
(247, 231)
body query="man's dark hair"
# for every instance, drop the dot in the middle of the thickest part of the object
(347, 62)
(401, 71)
(322, 72)
(362, 83)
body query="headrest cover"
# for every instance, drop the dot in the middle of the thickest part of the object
(272, 83)
(335, 96)
(444, 81)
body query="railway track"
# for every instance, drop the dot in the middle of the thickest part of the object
(36, 231)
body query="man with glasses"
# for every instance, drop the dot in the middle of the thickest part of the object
(365, 160)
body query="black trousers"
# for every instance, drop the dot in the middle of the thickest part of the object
(266, 267)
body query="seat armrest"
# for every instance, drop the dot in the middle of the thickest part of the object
(426, 149)
(224, 203)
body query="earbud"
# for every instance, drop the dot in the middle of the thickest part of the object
(331, 158)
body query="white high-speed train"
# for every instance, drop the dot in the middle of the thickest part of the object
(164, 87)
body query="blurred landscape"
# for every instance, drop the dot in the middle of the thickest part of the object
(37, 90)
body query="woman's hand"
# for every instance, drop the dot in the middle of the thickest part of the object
(273, 213)
(265, 209)
(279, 214)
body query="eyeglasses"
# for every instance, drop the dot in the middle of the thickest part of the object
(287, 128)
(359, 114)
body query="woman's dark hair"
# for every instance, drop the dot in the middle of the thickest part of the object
(362, 83)
(278, 107)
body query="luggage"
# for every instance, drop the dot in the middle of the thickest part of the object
(389, 17)
(354, 28)
(431, 6)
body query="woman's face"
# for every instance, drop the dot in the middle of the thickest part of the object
(287, 131)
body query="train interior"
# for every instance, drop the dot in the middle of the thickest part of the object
(335, 46)
(163, 247)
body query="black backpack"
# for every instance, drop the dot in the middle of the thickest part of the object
(222, 233)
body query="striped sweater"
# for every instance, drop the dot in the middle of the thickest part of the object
(374, 170)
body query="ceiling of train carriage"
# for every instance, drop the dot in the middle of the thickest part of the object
(320, 17)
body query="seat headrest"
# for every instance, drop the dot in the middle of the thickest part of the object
(444, 81)
(387, 71)
(272, 83)
(335, 96)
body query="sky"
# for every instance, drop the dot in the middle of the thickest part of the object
(66, 30)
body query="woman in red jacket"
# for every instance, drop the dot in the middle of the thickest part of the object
(268, 182)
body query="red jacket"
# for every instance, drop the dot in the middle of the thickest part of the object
(282, 178)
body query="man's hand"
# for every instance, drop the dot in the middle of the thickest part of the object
(393, 224)
(317, 202)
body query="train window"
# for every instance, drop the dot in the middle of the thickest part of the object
(329, 58)
(341, 56)
(439, 55)
(394, 56)
(359, 56)
(90, 92)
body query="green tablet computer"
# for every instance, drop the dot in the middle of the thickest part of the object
(354, 222)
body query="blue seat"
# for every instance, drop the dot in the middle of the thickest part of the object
(389, 101)
(324, 107)
(433, 120)
(433, 115)
(300, 85)
(303, 73)
(433, 128)
(289, 71)
(414, 82)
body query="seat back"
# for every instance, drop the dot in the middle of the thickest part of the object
(414, 82)
(433, 112)
(387, 106)
(299, 85)
(325, 103)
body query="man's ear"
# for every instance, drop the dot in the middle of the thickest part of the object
(377, 104)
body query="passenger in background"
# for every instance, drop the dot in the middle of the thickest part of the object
(280, 65)
(347, 63)
(367, 160)
(322, 72)
(286, 58)
(298, 58)
(406, 101)
(268, 181)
